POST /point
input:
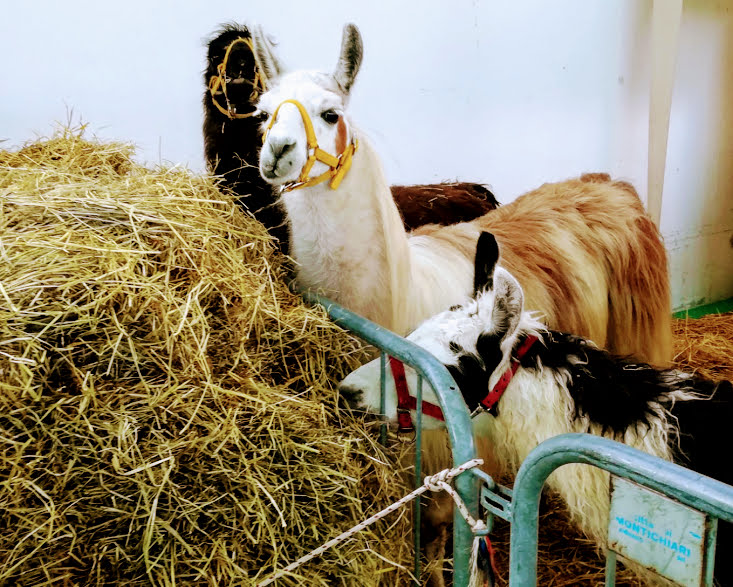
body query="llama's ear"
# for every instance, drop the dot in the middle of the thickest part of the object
(267, 62)
(349, 61)
(487, 254)
(505, 318)
(508, 304)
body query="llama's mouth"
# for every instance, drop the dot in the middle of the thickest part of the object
(351, 400)
(269, 172)
(277, 172)
(351, 397)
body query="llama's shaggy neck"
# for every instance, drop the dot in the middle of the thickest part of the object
(565, 385)
(349, 243)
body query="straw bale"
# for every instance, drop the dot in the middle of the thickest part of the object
(167, 405)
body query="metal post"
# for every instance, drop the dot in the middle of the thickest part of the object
(610, 568)
(418, 475)
(710, 543)
(382, 397)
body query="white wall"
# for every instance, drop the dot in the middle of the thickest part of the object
(697, 215)
(509, 94)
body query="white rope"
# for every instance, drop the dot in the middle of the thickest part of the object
(438, 482)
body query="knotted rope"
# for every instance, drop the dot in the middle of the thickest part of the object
(438, 482)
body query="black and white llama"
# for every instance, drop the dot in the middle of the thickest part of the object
(562, 383)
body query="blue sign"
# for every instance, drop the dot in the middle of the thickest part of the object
(657, 532)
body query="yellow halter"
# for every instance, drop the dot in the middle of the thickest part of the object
(220, 81)
(338, 165)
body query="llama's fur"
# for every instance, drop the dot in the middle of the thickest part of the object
(588, 256)
(442, 203)
(589, 259)
(232, 146)
(564, 384)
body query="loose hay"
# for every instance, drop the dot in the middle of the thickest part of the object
(168, 408)
(705, 345)
(565, 557)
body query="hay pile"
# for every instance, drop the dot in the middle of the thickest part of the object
(166, 404)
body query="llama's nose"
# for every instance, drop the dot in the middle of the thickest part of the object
(350, 398)
(280, 146)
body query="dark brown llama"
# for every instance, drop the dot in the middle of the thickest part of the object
(231, 132)
(232, 141)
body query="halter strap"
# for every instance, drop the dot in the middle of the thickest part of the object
(339, 165)
(493, 397)
(406, 403)
(220, 81)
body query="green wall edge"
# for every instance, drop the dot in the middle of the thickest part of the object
(699, 311)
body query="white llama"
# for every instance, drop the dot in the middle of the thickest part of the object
(586, 254)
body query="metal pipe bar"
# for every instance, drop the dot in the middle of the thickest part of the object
(458, 419)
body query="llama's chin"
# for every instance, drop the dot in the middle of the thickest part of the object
(271, 176)
(272, 179)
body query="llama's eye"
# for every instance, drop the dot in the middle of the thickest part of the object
(262, 116)
(330, 116)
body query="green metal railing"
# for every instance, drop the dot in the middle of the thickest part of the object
(692, 489)
(457, 417)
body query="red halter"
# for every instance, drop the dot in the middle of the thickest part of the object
(407, 403)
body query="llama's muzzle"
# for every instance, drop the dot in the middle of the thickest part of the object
(339, 165)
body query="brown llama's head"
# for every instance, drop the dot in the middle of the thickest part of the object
(232, 76)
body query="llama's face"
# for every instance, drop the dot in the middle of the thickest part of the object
(285, 149)
(240, 68)
(473, 340)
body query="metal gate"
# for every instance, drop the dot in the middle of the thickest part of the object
(521, 509)
(520, 505)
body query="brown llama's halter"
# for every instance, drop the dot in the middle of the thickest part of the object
(339, 165)
(220, 81)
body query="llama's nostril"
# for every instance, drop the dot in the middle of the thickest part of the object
(279, 149)
(350, 398)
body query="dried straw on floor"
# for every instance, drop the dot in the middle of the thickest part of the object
(705, 345)
(167, 405)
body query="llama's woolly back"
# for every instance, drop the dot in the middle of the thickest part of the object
(589, 260)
